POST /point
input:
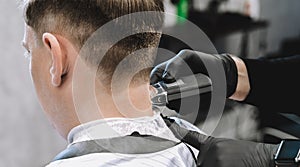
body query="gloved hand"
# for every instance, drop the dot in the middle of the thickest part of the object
(188, 61)
(219, 152)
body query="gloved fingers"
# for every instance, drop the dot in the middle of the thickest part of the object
(175, 105)
(197, 139)
(194, 60)
(268, 150)
(236, 153)
(185, 63)
(168, 77)
(186, 53)
(177, 130)
(192, 138)
(271, 148)
(157, 73)
(163, 73)
(215, 153)
(180, 66)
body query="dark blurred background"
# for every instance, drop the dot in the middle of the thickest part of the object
(246, 28)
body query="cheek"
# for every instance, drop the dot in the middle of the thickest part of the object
(35, 71)
(39, 74)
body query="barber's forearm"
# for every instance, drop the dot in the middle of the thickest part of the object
(271, 84)
(243, 85)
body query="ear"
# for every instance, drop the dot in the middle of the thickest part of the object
(54, 47)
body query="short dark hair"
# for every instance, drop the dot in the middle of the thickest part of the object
(79, 19)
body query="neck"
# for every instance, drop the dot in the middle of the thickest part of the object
(129, 103)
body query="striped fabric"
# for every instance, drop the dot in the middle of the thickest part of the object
(177, 156)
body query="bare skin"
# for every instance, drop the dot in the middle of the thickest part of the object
(243, 85)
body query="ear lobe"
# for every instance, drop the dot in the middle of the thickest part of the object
(54, 47)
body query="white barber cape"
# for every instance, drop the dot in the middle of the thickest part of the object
(177, 156)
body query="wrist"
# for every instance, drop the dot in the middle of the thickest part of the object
(243, 84)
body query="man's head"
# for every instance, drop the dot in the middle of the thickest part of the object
(56, 31)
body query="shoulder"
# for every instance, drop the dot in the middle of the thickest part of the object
(169, 157)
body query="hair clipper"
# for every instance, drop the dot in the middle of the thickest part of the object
(182, 88)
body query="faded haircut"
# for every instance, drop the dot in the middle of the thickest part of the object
(77, 20)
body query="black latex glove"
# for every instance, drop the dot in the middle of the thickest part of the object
(188, 62)
(219, 152)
